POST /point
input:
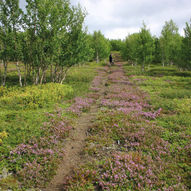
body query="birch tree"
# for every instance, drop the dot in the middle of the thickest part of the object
(101, 46)
(145, 47)
(170, 42)
(186, 48)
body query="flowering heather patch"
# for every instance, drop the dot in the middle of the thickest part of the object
(97, 81)
(80, 105)
(132, 171)
(94, 96)
(57, 125)
(45, 151)
(126, 110)
(132, 132)
(126, 92)
(32, 142)
(131, 152)
(94, 89)
(146, 162)
(117, 75)
(123, 96)
(84, 179)
(121, 103)
(151, 115)
(128, 100)
(37, 172)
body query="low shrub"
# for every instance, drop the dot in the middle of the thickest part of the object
(34, 97)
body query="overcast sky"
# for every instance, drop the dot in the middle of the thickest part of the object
(118, 18)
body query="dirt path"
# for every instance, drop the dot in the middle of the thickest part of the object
(125, 130)
(75, 143)
(74, 146)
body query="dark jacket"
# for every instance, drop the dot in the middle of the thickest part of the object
(110, 58)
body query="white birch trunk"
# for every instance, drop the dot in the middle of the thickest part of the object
(42, 77)
(5, 73)
(97, 58)
(64, 77)
(19, 74)
(1, 76)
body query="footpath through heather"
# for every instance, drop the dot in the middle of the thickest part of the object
(86, 109)
(116, 144)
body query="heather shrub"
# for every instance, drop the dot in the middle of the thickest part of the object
(33, 132)
(171, 92)
(35, 161)
(140, 139)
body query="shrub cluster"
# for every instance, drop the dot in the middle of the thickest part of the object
(34, 97)
(128, 147)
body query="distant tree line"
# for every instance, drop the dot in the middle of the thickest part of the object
(170, 48)
(49, 36)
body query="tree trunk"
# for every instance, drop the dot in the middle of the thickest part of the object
(51, 73)
(1, 76)
(97, 58)
(37, 77)
(59, 75)
(54, 74)
(163, 63)
(25, 75)
(29, 69)
(163, 58)
(143, 68)
(5, 73)
(33, 76)
(19, 74)
(65, 74)
(45, 78)
(43, 75)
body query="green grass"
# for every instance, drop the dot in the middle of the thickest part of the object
(160, 144)
(22, 110)
(169, 89)
(16, 117)
(167, 71)
(80, 77)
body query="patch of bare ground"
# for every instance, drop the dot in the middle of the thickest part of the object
(73, 149)
(74, 145)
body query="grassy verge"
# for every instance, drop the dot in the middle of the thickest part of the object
(170, 90)
(31, 132)
(141, 138)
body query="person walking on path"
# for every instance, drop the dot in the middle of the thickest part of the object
(110, 59)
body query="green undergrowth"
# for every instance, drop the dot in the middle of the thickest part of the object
(126, 152)
(170, 89)
(80, 77)
(134, 149)
(34, 97)
(24, 111)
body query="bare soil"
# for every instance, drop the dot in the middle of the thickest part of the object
(73, 148)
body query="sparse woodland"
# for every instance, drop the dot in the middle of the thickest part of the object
(70, 120)
(49, 36)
